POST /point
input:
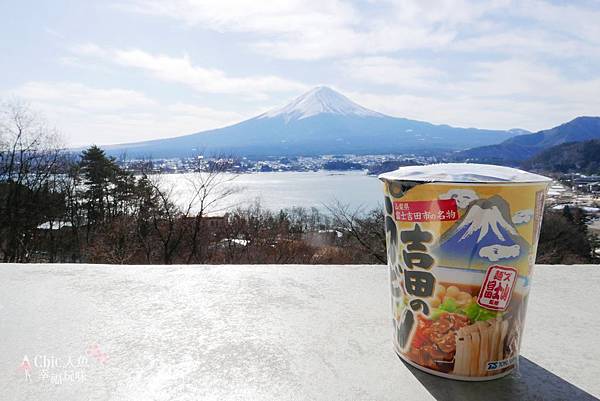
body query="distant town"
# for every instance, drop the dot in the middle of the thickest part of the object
(372, 164)
(577, 191)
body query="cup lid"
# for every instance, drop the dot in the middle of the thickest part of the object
(463, 173)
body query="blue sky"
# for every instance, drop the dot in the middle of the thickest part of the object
(126, 70)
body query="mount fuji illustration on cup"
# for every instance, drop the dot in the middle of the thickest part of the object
(485, 233)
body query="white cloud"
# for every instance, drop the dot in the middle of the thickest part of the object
(524, 42)
(461, 111)
(82, 97)
(85, 114)
(522, 216)
(527, 77)
(310, 27)
(572, 18)
(248, 15)
(314, 29)
(181, 70)
(507, 77)
(499, 95)
(91, 49)
(494, 253)
(463, 196)
(396, 72)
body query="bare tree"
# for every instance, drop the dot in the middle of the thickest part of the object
(365, 231)
(210, 187)
(177, 223)
(166, 218)
(30, 158)
(115, 242)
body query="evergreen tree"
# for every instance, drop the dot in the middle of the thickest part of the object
(109, 191)
(98, 172)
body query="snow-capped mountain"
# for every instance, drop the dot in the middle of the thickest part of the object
(479, 222)
(320, 100)
(321, 121)
(485, 232)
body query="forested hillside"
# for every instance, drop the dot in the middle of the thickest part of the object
(580, 157)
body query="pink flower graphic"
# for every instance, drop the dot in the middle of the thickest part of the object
(25, 367)
(95, 352)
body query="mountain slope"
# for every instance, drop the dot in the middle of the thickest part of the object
(321, 121)
(522, 147)
(581, 157)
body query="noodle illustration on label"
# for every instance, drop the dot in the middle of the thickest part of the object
(460, 257)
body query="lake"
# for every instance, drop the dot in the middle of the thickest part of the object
(280, 190)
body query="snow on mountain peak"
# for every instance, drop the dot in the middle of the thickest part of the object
(481, 221)
(320, 100)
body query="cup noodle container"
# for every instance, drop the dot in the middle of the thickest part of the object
(461, 244)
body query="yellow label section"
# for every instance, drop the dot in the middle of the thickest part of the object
(473, 225)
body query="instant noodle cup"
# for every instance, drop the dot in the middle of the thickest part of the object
(461, 245)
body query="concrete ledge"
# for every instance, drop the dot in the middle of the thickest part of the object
(262, 332)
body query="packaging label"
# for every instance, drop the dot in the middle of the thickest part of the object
(496, 365)
(497, 287)
(460, 256)
(436, 210)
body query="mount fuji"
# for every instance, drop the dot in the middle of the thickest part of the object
(320, 100)
(321, 121)
(485, 232)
